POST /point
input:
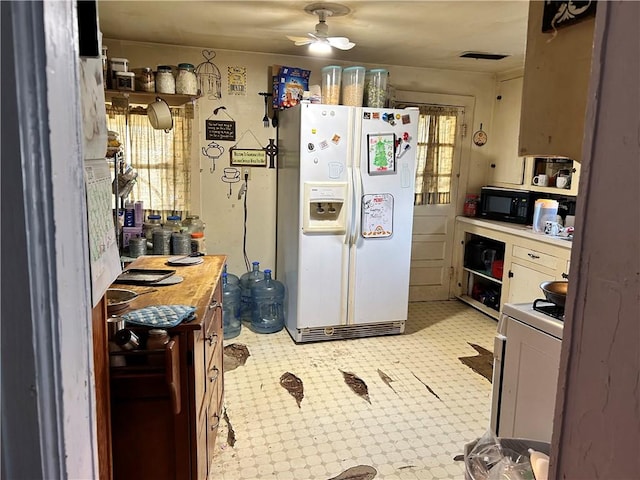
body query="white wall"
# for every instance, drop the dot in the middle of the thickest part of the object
(224, 216)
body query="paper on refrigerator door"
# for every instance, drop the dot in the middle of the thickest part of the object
(377, 215)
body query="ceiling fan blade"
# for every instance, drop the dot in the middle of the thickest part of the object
(342, 43)
(300, 40)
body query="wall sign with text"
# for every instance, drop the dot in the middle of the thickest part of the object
(250, 157)
(221, 130)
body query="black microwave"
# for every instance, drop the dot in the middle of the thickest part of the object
(507, 205)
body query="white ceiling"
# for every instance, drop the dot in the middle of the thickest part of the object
(409, 33)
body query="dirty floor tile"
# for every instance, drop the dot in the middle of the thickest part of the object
(409, 408)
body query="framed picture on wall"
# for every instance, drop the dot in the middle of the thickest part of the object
(558, 14)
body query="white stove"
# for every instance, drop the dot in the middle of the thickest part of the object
(524, 312)
(525, 372)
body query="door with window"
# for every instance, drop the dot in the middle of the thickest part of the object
(441, 152)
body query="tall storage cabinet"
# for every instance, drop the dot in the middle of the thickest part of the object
(507, 167)
(166, 404)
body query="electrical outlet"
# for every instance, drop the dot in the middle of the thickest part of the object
(246, 173)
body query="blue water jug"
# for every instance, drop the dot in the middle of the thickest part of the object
(231, 278)
(268, 305)
(231, 324)
(246, 282)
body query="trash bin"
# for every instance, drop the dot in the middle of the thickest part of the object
(519, 445)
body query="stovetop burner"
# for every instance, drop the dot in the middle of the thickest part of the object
(549, 308)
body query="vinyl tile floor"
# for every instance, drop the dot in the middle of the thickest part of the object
(405, 431)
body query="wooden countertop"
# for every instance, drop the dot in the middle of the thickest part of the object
(196, 289)
(525, 231)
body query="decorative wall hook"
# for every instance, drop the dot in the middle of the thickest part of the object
(213, 151)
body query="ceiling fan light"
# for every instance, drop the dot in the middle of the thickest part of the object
(320, 48)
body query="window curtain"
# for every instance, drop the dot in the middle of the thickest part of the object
(161, 159)
(437, 129)
(435, 156)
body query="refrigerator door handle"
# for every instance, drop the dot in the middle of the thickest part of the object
(357, 207)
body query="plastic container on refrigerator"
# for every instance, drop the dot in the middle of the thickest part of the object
(331, 78)
(376, 88)
(353, 86)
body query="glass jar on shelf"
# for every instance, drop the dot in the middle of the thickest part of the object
(146, 80)
(165, 82)
(186, 80)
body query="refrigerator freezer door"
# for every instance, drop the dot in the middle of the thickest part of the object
(384, 176)
(325, 159)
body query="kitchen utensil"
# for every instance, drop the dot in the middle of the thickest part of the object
(562, 182)
(488, 256)
(541, 180)
(555, 291)
(143, 275)
(480, 137)
(160, 115)
(552, 228)
(265, 119)
(118, 299)
(183, 260)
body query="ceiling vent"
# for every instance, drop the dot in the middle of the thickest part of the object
(483, 56)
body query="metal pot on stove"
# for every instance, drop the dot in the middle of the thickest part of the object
(555, 291)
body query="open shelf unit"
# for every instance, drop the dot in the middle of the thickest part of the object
(145, 98)
(480, 288)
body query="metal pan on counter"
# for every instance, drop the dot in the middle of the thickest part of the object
(118, 299)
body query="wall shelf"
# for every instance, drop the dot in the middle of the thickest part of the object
(123, 97)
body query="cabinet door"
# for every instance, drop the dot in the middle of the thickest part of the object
(530, 377)
(556, 81)
(506, 165)
(524, 284)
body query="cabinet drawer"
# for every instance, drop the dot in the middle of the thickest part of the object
(533, 256)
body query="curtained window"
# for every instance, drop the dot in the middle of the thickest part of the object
(435, 157)
(161, 159)
(437, 130)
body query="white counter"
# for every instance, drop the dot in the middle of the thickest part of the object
(525, 231)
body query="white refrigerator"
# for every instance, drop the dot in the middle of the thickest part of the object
(344, 219)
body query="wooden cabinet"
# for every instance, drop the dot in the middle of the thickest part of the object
(529, 267)
(506, 165)
(529, 259)
(165, 412)
(556, 79)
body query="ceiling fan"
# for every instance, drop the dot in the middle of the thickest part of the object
(320, 41)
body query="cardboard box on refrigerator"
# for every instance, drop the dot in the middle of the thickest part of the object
(288, 86)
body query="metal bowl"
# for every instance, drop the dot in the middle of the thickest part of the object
(118, 299)
(555, 291)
